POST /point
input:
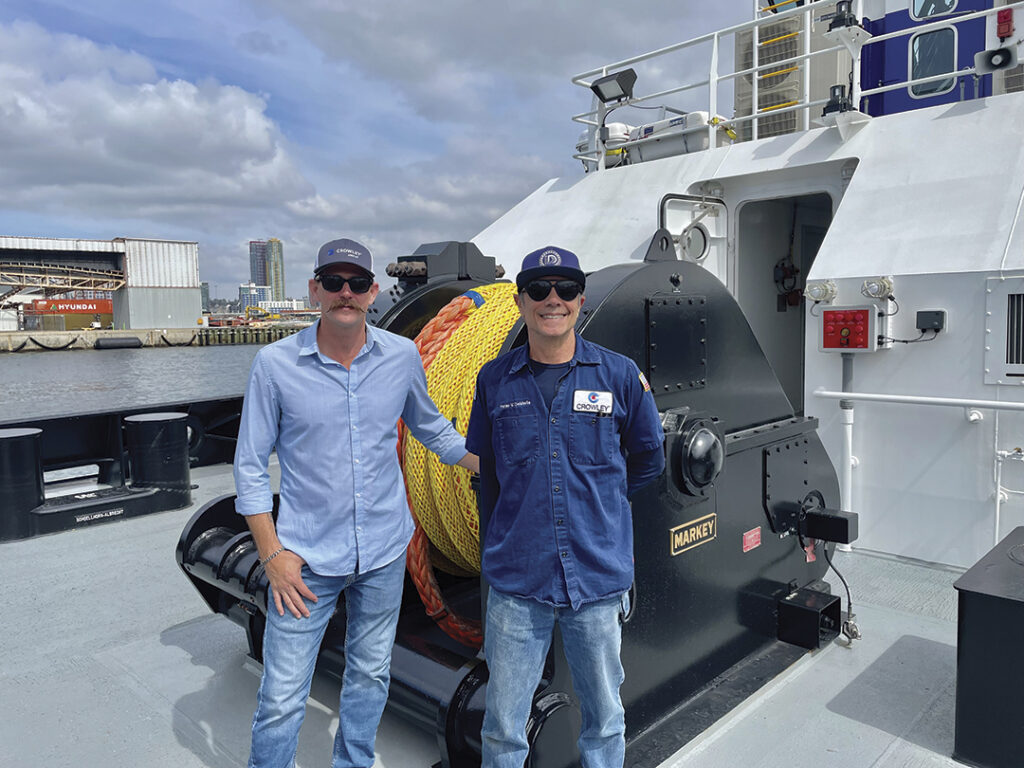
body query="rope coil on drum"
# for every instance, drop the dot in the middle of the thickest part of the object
(465, 334)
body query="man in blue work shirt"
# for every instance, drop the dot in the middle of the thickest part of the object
(329, 399)
(566, 432)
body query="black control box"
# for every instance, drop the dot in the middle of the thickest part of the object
(931, 320)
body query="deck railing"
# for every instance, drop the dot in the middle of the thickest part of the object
(854, 44)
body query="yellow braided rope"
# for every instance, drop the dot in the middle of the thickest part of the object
(442, 498)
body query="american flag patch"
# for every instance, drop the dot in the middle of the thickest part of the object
(643, 380)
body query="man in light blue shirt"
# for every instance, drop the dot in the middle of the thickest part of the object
(329, 399)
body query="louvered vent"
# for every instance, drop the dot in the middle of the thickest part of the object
(1013, 79)
(1015, 329)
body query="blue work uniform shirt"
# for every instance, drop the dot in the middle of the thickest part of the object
(553, 483)
(343, 506)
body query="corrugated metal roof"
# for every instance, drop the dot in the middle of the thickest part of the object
(60, 244)
(147, 263)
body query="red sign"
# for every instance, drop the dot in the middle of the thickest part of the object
(75, 306)
(752, 539)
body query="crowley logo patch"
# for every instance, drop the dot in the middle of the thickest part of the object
(591, 401)
(692, 534)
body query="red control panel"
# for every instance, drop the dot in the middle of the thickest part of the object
(849, 329)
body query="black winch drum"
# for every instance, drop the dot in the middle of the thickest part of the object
(21, 480)
(158, 455)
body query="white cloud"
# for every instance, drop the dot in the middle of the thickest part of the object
(393, 122)
(453, 60)
(92, 129)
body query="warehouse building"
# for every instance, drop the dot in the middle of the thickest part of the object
(153, 283)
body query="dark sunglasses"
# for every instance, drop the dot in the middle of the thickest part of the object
(334, 283)
(538, 290)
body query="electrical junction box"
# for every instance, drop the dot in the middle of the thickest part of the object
(849, 329)
(931, 319)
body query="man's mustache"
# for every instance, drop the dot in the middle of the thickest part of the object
(342, 303)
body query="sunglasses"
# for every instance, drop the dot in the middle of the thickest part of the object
(538, 290)
(334, 283)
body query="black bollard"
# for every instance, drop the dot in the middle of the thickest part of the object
(21, 481)
(158, 456)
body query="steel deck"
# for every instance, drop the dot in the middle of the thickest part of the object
(110, 658)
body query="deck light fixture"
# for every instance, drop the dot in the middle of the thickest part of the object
(614, 87)
(837, 101)
(820, 290)
(843, 17)
(877, 287)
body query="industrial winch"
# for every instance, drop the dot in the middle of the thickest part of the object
(731, 542)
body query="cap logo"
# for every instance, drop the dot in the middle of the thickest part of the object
(549, 259)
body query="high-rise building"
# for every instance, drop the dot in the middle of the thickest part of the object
(250, 295)
(258, 262)
(275, 268)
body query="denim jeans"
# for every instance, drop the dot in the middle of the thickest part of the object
(517, 637)
(290, 647)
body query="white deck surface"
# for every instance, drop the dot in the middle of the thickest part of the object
(109, 658)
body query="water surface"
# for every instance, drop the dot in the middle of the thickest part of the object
(42, 384)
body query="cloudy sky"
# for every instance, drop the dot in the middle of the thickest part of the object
(221, 121)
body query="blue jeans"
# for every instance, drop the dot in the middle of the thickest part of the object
(290, 647)
(516, 641)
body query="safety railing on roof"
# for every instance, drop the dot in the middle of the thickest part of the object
(851, 39)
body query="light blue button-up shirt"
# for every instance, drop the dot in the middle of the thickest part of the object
(343, 506)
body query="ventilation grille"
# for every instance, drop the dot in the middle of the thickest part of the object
(770, 52)
(1013, 79)
(770, 124)
(1015, 329)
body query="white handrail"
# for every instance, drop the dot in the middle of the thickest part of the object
(714, 78)
(951, 402)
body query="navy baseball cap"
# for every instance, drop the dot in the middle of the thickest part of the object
(343, 251)
(550, 260)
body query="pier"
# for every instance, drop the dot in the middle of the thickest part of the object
(87, 338)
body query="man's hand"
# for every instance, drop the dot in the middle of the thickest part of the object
(285, 574)
(471, 462)
(284, 570)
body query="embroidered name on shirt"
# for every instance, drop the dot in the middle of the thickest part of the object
(589, 401)
(517, 404)
(693, 534)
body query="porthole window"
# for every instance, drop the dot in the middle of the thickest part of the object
(932, 53)
(923, 9)
(694, 243)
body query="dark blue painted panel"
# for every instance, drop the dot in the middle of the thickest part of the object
(888, 62)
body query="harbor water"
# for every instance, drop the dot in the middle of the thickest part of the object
(44, 384)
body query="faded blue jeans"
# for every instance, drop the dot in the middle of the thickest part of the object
(517, 637)
(290, 647)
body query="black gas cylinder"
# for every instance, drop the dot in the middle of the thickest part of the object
(158, 456)
(21, 480)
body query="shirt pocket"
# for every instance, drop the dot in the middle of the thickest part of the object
(518, 439)
(591, 438)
